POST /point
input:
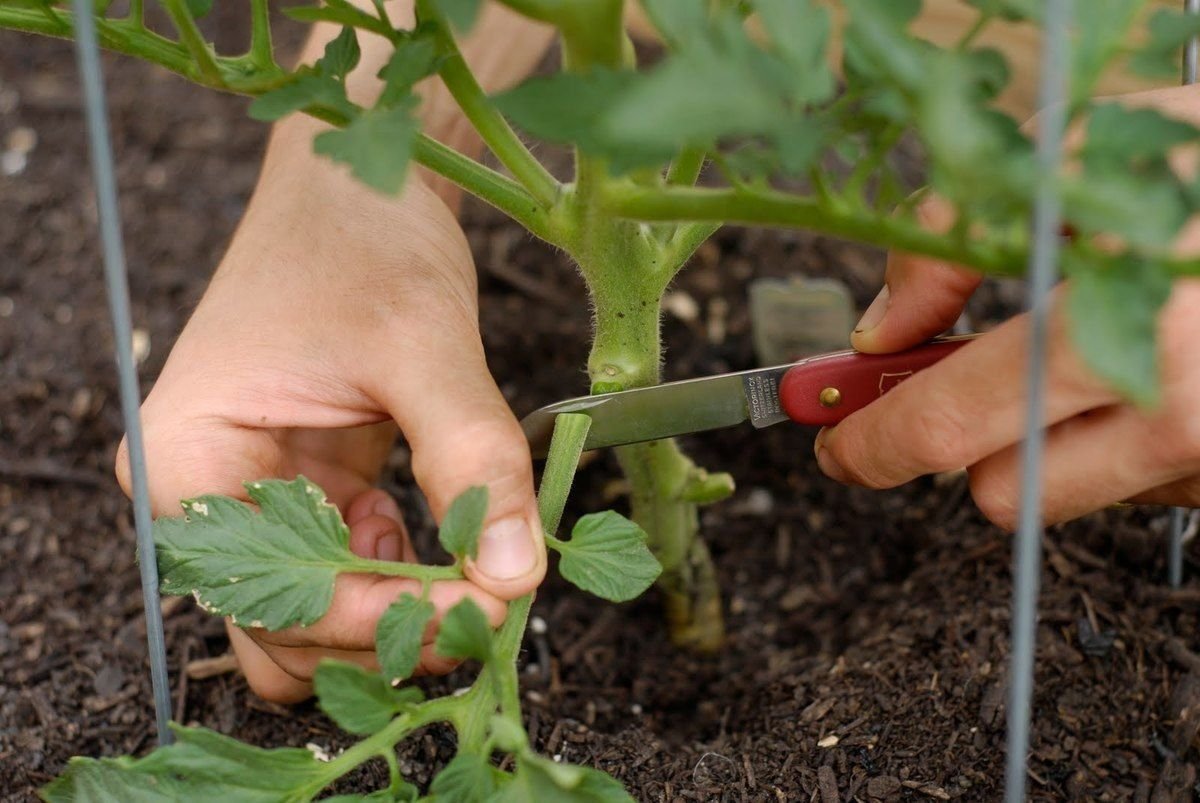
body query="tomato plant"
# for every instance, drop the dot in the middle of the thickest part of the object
(787, 141)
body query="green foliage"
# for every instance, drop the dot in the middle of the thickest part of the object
(399, 635)
(607, 555)
(341, 55)
(200, 765)
(1169, 31)
(357, 700)
(1114, 312)
(460, 528)
(306, 90)
(465, 633)
(461, 14)
(466, 779)
(377, 146)
(269, 569)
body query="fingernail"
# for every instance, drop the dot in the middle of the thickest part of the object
(825, 459)
(386, 506)
(389, 547)
(875, 312)
(506, 549)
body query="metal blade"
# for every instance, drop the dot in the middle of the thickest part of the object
(663, 411)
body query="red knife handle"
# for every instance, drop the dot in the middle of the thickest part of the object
(825, 390)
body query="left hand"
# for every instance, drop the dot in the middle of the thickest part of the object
(968, 410)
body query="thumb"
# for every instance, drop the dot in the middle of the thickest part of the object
(462, 433)
(921, 297)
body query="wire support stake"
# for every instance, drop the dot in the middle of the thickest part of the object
(1191, 58)
(1043, 271)
(88, 57)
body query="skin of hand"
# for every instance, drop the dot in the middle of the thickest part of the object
(968, 410)
(338, 316)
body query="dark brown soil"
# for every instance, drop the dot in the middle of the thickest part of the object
(868, 643)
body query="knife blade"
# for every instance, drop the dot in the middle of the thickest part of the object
(818, 391)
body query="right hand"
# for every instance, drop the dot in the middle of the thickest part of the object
(337, 315)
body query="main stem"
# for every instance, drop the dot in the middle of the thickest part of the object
(627, 276)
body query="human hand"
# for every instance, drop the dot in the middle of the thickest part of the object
(335, 313)
(969, 409)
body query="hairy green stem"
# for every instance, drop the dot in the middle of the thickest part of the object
(687, 166)
(774, 208)
(193, 40)
(262, 53)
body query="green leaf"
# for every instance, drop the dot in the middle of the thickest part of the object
(1113, 311)
(1121, 137)
(1169, 31)
(399, 634)
(566, 107)
(607, 555)
(460, 527)
(201, 765)
(305, 89)
(678, 21)
(1145, 213)
(110, 780)
(357, 700)
(461, 14)
(406, 793)
(466, 779)
(414, 58)
(465, 633)
(1100, 34)
(198, 8)
(539, 779)
(507, 735)
(270, 569)
(377, 146)
(341, 54)
(799, 31)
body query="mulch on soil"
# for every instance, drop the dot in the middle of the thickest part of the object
(868, 632)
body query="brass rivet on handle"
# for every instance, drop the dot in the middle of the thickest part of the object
(830, 397)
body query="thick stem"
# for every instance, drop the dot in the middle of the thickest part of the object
(775, 208)
(626, 353)
(659, 474)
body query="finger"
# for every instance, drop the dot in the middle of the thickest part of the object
(1090, 462)
(462, 434)
(300, 663)
(266, 678)
(959, 411)
(360, 599)
(377, 529)
(1184, 493)
(921, 297)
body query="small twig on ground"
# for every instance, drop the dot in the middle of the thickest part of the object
(45, 471)
(527, 284)
(603, 622)
(203, 668)
(1180, 654)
